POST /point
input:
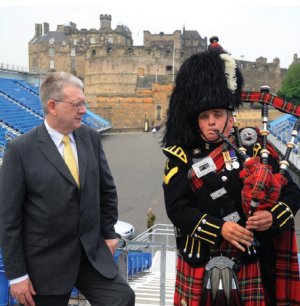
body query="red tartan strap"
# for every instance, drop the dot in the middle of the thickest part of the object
(218, 159)
(271, 99)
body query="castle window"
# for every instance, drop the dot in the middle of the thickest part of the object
(169, 68)
(51, 52)
(93, 52)
(158, 112)
(73, 66)
(109, 48)
(110, 40)
(51, 64)
(92, 40)
(73, 51)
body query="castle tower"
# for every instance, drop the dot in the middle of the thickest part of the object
(105, 22)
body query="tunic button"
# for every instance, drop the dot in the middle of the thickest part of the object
(224, 178)
(203, 221)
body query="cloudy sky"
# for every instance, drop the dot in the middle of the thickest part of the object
(248, 29)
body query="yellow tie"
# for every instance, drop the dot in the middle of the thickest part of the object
(70, 158)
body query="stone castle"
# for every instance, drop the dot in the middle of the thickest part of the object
(126, 84)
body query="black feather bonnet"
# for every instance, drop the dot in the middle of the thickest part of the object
(207, 80)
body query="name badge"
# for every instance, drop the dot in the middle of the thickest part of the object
(218, 193)
(234, 217)
(204, 166)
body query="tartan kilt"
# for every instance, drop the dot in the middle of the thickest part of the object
(287, 268)
(189, 284)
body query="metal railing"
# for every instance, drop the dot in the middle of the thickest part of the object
(159, 238)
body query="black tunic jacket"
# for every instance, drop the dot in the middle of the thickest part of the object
(197, 217)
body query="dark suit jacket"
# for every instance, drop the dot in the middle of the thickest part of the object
(45, 220)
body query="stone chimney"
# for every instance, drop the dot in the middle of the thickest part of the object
(38, 30)
(46, 28)
(105, 22)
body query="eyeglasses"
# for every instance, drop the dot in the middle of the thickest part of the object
(76, 105)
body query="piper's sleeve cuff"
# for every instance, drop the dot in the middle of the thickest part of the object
(282, 215)
(208, 229)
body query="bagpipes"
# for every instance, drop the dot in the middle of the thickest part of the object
(261, 187)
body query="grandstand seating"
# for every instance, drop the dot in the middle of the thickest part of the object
(21, 110)
(282, 128)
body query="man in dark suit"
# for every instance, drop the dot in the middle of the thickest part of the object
(56, 219)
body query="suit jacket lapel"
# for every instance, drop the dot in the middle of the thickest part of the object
(48, 148)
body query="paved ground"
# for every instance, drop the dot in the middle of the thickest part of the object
(137, 164)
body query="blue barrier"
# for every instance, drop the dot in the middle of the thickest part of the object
(132, 267)
(3, 288)
(74, 293)
(136, 261)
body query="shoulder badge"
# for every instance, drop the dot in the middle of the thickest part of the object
(170, 174)
(177, 152)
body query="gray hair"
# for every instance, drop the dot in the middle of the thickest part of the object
(53, 84)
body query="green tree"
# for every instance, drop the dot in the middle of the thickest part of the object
(290, 89)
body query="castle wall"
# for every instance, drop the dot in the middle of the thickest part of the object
(117, 74)
(260, 73)
(124, 113)
(252, 117)
(130, 113)
(121, 79)
(162, 40)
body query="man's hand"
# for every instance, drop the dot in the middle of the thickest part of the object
(237, 235)
(23, 292)
(112, 244)
(261, 220)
